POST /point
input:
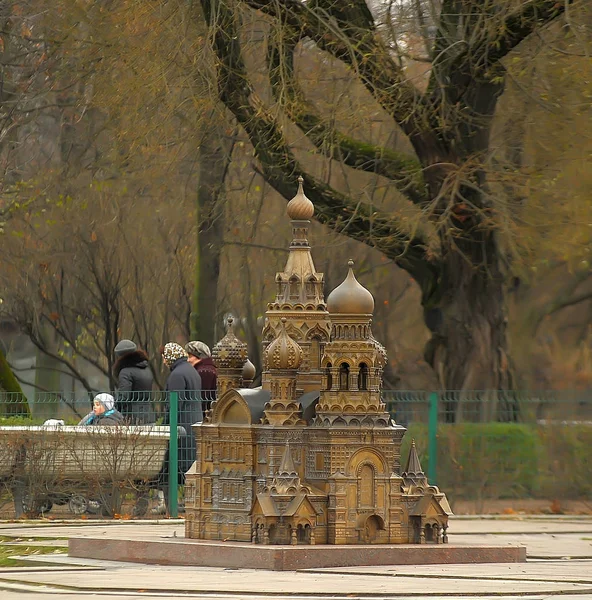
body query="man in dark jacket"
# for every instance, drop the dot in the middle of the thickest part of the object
(184, 380)
(134, 383)
(200, 357)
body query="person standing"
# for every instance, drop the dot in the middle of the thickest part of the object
(184, 380)
(134, 383)
(200, 356)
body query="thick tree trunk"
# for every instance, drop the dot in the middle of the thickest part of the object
(214, 158)
(468, 348)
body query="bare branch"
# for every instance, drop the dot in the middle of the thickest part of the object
(404, 171)
(280, 167)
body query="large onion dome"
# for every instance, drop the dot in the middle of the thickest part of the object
(350, 298)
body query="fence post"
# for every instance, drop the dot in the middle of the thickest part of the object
(173, 454)
(432, 437)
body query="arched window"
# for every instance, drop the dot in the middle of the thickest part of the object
(363, 377)
(344, 376)
(366, 489)
(329, 376)
(294, 287)
(315, 353)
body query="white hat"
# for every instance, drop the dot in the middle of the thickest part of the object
(106, 400)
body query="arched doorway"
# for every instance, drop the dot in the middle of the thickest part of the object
(372, 528)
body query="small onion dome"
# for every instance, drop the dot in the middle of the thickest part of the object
(284, 352)
(249, 371)
(350, 297)
(230, 352)
(300, 208)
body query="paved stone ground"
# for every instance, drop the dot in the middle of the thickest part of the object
(559, 567)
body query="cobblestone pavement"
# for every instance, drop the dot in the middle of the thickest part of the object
(559, 550)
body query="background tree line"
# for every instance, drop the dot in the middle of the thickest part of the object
(149, 146)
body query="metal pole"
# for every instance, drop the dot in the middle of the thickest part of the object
(173, 455)
(433, 437)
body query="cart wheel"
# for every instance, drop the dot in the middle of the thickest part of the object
(141, 506)
(78, 504)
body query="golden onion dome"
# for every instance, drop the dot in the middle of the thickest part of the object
(350, 298)
(249, 371)
(230, 352)
(284, 352)
(300, 208)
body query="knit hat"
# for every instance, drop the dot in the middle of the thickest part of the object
(106, 400)
(125, 347)
(198, 349)
(173, 352)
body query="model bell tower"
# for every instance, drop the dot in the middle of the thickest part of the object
(353, 361)
(300, 298)
(283, 357)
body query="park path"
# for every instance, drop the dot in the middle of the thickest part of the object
(559, 565)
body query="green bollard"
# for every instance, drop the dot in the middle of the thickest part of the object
(173, 455)
(432, 437)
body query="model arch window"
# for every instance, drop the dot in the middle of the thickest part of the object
(315, 353)
(329, 375)
(344, 376)
(363, 377)
(294, 287)
(366, 487)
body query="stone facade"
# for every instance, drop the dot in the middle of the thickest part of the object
(312, 456)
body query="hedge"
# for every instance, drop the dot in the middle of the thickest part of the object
(508, 460)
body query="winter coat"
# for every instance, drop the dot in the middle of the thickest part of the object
(110, 417)
(185, 380)
(209, 376)
(134, 384)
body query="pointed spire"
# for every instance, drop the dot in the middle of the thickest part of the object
(287, 467)
(413, 465)
(413, 472)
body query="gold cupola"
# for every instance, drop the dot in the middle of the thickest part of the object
(229, 356)
(350, 298)
(284, 353)
(300, 208)
(283, 357)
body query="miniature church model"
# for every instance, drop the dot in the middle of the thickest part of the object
(312, 456)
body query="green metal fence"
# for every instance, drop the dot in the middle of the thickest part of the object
(484, 445)
(475, 445)
(177, 410)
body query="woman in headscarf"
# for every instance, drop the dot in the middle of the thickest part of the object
(103, 412)
(184, 380)
(200, 357)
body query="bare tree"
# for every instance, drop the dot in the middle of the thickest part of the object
(454, 253)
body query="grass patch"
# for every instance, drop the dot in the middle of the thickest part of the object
(7, 554)
(29, 538)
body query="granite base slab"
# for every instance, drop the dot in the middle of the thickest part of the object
(200, 553)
